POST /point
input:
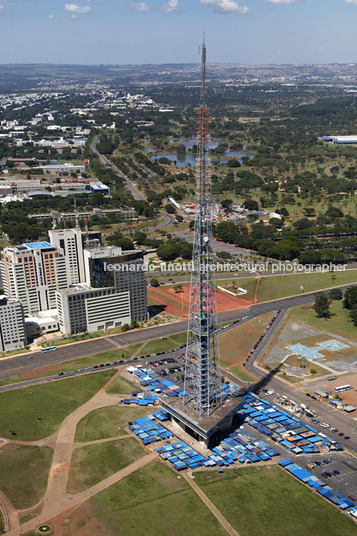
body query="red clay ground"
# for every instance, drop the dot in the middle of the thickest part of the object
(43, 370)
(177, 303)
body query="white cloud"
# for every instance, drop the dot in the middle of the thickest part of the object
(95, 1)
(1, 7)
(282, 1)
(140, 6)
(225, 6)
(51, 17)
(172, 5)
(73, 8)
(353, 2)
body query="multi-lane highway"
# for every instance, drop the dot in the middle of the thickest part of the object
(19, 364)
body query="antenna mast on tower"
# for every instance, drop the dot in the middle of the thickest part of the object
(202, 372)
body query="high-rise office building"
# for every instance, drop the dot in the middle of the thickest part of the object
(110, 266)
(32, 273)
(82, 308)
(12, 325)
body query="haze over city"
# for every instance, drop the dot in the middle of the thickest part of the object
(159, 31)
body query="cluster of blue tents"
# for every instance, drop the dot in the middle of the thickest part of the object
(145, 399)
(245, 447)
(181, 456)
(149, 430)
(314, 482)
(153, 381)
(283, 428)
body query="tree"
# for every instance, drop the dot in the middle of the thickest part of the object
(170, 209)
(117, 239)
(335, 294)
(167, 252)
(350, 299)
(178, 288)
(250, 204)
(154, 282)
(353, 316)
(226, 204)
(322, 305)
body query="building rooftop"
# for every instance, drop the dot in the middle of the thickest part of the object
(38, 245)
(206, 425)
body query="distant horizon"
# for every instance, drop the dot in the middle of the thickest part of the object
(175, 63)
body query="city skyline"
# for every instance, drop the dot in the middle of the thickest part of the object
(133, 32)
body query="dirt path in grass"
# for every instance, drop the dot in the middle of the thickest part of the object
(135, 354)
(255, 299)
(319, 204)
(56, 500)
(217, 514)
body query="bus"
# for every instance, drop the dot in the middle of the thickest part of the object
(343, 388)
(48, 349)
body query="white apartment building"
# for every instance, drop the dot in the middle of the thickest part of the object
(12, 325)
(32, 273)
(70, 241)
(82, 308)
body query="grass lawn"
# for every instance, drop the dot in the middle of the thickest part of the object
(153, 501)
(278, 286)
(106, 422)
(164, 344)
(240, 373)
(36, 412)
(263, 501)
(121, 386)
(94, 463)
(339, 322)
(302, 362)
(24, 519)
(248, 283)
(236, 343)
(24, 472)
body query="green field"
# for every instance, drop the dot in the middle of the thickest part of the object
(164, 344)
(24, 473)
(339, 322)
(240, 373)
(278, 286)
(93, 463)
(121, 386)
(261, 501)
(36, 412)
(153, 501)
(107, 422)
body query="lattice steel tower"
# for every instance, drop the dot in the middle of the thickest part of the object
(202, 373)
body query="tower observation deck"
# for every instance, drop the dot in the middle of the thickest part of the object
(202, 411)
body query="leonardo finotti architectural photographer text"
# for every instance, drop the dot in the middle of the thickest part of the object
(187, 267)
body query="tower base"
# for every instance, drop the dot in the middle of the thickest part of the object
(204, 429)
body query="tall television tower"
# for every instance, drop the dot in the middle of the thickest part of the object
(202, 373)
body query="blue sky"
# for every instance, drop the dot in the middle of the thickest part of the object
(169, 31)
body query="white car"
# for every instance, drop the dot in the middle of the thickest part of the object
(325, 425)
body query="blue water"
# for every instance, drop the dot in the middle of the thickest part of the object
(190, 159)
